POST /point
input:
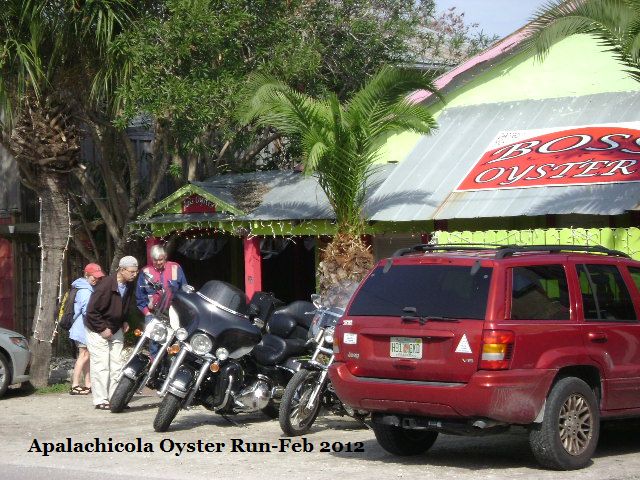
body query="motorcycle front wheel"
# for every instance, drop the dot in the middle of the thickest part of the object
(295, 418)
(167, 411)
(123, 394)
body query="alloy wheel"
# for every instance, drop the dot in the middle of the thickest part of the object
(575, 424)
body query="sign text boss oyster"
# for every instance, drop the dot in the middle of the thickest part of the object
(573, 156)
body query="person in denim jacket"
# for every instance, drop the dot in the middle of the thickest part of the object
(92, 274)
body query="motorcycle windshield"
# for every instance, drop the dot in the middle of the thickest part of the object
(228, 327)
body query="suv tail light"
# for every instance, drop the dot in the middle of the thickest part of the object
(497, 347)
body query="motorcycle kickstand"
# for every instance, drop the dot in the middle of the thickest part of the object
(232, 422)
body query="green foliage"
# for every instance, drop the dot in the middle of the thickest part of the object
(340, 141)
(615, 23)
(185, 66)
(185, 61)
(55, 388)
(53, 46)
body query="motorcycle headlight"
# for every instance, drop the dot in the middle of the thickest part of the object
(222, 354)
(328, 334)
(201, 344)
(182, 334)
(159, 333)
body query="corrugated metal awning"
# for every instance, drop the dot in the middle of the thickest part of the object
(422, 187)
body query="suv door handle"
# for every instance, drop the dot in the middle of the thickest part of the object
(597, 337)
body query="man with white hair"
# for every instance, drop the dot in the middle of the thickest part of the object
(168, 275)
(105, 325)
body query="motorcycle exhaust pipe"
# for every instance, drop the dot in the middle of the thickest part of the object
(175, 366)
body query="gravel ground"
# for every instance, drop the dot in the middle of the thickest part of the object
(30, 421)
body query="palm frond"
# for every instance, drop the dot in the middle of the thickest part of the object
(559, 19)
(340, 142)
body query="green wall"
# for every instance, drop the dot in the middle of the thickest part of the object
(574, 67)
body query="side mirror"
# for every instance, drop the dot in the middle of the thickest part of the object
(316, 300)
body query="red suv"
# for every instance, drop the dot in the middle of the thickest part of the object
(470, 340)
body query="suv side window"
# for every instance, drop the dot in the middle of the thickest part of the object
(605, 296)
(635, 275)
(539, 292)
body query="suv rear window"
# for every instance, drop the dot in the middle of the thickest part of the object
(433, 290)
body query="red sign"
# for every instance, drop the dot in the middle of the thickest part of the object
(197, 204)
(575, 156)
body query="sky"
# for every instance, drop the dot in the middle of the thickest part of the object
(494, 17)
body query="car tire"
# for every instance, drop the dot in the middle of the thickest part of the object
(403, 442)
(5, 374)
(568, 434)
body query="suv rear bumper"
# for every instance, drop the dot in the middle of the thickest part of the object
(509, 396)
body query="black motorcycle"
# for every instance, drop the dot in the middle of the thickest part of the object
(225, 361)
(141, 369)
(310, 388)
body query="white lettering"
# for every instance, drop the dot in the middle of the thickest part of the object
(622, 165)
(607, 139)
(479, 178)
(523, 148)
(512, 178)
(541, 171)
(589, 166)
(584, 139)
(568, 166)
(637, 142)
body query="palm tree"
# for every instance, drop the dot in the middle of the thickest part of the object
(340, 146)
(49, 51)
(615, 23)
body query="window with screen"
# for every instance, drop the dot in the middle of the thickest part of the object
(539, 292)
(604, 293)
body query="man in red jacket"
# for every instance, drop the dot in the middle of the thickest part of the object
(106, 325)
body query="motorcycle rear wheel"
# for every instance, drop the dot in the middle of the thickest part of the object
(167, 411)
(294, 418)
(122, 395)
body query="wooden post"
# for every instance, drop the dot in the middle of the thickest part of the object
(252, 266)
(151, 241)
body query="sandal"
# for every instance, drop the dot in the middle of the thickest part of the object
(103, 406)
(78, 390)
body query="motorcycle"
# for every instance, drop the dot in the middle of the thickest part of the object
(231, 356)
(310, 388)
(141, 369)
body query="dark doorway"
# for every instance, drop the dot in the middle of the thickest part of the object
(205, 259)
(288, 267)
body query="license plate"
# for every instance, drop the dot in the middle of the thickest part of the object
(405, 347)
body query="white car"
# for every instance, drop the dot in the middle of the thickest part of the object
(15, 358)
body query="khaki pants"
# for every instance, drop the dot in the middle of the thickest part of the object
(105, 364)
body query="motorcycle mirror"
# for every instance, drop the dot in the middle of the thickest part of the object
(315, 299)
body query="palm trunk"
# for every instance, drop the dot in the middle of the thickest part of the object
(54, 235)
(346, 258)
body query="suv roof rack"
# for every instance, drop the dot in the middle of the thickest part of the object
(424, 247)
(507, 250)
(503, 251)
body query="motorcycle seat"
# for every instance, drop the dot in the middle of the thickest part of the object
(273, 350)
(300, 312)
